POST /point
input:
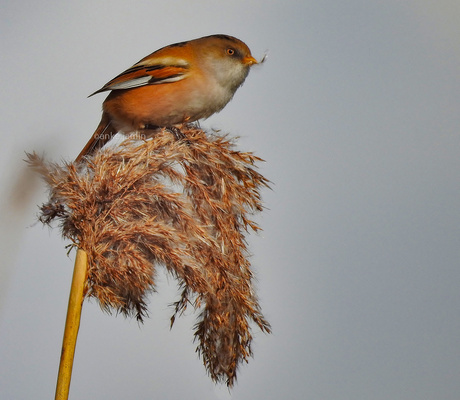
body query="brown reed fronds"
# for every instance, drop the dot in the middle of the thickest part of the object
(184, 204)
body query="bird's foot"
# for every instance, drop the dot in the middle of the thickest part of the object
(178, 134)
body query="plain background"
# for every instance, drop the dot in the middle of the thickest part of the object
(356, 112)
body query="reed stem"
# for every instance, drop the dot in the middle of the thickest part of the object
(72, 325)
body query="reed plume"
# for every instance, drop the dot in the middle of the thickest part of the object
(183, 204)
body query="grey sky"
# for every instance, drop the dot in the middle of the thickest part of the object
(356, 112)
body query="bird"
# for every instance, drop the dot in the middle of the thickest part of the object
(180, 83)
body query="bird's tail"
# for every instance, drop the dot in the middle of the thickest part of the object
(103, 133)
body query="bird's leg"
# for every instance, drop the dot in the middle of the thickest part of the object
(178, 135)
(150, 127)
(176, 132)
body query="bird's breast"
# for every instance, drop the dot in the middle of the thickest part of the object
(165, 104)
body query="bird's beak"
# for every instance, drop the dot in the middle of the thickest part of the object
(249, 60)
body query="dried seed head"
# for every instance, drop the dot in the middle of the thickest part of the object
(183, 204)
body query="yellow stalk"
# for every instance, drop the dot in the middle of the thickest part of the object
(72, 324)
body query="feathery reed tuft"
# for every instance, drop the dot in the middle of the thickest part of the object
(184, 204)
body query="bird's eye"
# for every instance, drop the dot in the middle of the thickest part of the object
(230, 51)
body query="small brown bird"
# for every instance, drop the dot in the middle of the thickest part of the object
(182, 82)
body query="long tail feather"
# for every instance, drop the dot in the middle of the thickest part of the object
(103, 133)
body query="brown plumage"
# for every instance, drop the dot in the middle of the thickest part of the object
(179, 83)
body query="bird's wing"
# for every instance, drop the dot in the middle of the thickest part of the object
(149, 71)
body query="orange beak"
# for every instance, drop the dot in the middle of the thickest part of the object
(249, 60)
